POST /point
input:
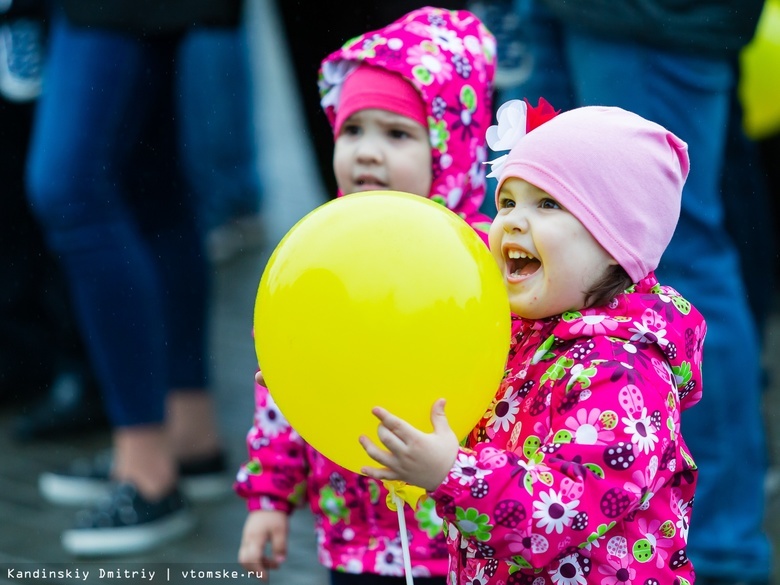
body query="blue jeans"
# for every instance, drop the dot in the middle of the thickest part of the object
(690, 96)
(218, 146)
(104, 185)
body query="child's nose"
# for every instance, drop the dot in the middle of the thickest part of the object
(368, 150)
(517, 220)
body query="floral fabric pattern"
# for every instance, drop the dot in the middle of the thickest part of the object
(577, 472)
(356, 532)
(450, 58)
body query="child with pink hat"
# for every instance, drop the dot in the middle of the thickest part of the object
(434, 69)
(409, 105)
(577, 472)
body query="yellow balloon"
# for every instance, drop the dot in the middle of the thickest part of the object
(759, 86)
(380, 299)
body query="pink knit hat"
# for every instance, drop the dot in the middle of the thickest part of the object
(372, 87)
(620, 175)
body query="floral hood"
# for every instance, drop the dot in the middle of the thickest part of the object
(449, 57)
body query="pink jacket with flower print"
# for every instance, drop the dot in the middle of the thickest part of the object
(449, 57)
(356, 532)
(577, 473)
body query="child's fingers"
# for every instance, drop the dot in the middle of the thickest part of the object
(399, 427)
(379, 455)
(250, 555)
(380, 474)
(279, 546)
(390, 440)
(438, 418)
(381, 413)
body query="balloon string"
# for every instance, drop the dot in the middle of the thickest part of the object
(399, 508)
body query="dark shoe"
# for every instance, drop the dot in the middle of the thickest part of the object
(87, 481)
(71, 406)
(127, 523)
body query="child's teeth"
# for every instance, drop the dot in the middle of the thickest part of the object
(514, 254)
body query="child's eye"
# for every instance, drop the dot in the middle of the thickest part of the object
(548, 203)
(350, 129)
(505, 203)
(399, 134)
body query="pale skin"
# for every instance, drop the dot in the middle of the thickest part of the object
(548, 259)
(147, 455)
(378, 150)
(375, 150)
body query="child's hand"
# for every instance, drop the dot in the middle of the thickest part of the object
(262, 527)
(414, 457)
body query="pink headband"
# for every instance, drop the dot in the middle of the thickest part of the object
(372, 87)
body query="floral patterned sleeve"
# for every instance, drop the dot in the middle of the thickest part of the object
(591, 443)
(274, 477)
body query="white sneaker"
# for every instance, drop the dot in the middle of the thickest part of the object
(21, 59)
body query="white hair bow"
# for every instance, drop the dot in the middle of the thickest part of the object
(512, 121)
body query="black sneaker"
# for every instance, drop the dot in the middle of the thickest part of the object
(127, 523)
(86, 481)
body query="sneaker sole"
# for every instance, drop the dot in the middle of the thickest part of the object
(127, 540)
(13, 88)
(63, 491)
(207, 488)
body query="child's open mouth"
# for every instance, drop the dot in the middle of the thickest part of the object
(519, 263)
(370, 182)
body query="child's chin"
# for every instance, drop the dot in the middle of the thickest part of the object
(527, 311)
(370, 187)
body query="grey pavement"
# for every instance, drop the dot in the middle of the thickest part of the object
(30, 528)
